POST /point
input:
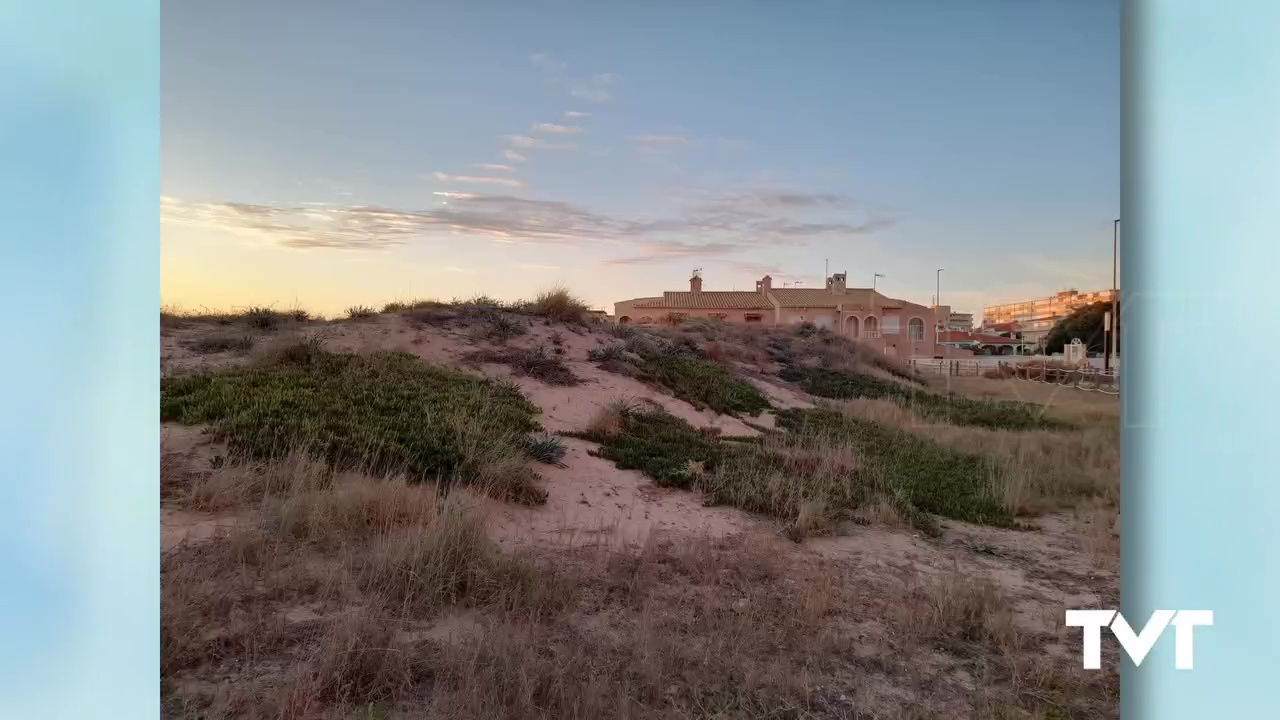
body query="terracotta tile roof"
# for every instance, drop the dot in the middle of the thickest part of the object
(821, 297)
(709, 300)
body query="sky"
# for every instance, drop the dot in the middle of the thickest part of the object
(326, 154)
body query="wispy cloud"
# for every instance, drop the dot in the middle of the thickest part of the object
(555, 129)
(495, 167)
(456, 269)
(526, 142)
(662, 251)
(709, 227)
(484, 180)
(576, 115)
(514, 156)
(537, 266)
(758, 269)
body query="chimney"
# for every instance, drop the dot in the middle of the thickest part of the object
(836, 283)
(695, 283)
(764, 284)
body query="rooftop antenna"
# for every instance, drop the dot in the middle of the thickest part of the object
(697, 272)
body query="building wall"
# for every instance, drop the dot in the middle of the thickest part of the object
(849, 323)
(635, 315)
(960, 321)
(1051, 308)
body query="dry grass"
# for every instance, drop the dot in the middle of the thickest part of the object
(957, 608)
(223, 341)
(337, 596)
(803, 345)
(256, 318)
(560, 305)
(607, 421)
(332, 598)
(356, 662)
(535, 362)
(234, 485)
(1035, 471)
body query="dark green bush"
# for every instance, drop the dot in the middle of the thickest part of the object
(954, 409)
(385, 414)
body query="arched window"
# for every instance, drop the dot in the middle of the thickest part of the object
(851, 326)
(915, 328)
(624, 320)
(871, 327)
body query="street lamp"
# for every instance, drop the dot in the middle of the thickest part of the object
(1115, 317)
(937, 303)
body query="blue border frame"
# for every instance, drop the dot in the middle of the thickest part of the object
(79, 427)
(79, 278)
(1201, 187)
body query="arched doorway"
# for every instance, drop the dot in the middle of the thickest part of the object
(871, 327)
(624, 320)
(915, 329)
(851, 326)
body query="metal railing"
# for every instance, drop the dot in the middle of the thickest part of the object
(1080, 378)
(871, 334)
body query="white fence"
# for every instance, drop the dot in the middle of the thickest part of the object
(1042, 370)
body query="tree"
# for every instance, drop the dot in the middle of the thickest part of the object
(1085, 323)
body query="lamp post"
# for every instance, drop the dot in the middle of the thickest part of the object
(937, 303)
(1115, 317)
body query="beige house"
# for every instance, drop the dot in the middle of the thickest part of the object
(896, 326)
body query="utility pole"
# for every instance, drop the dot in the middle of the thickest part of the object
(937, 303)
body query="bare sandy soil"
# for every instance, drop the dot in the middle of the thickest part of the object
(1069, 559)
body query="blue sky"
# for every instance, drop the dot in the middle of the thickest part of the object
(329, 154)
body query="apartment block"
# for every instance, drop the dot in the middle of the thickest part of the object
(1035, 318)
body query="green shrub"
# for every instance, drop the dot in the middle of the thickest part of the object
(360, 312)
(954, 409)
(384, 414)
(263, 318)
(535, 363)
(706, 383)
(546, 448)
(679, 366)
(223, 342)
(824, 466)
(923, 474)
(660, 445)
(500, 328)
(611, 351)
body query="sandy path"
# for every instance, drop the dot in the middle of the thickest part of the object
(590, 501)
